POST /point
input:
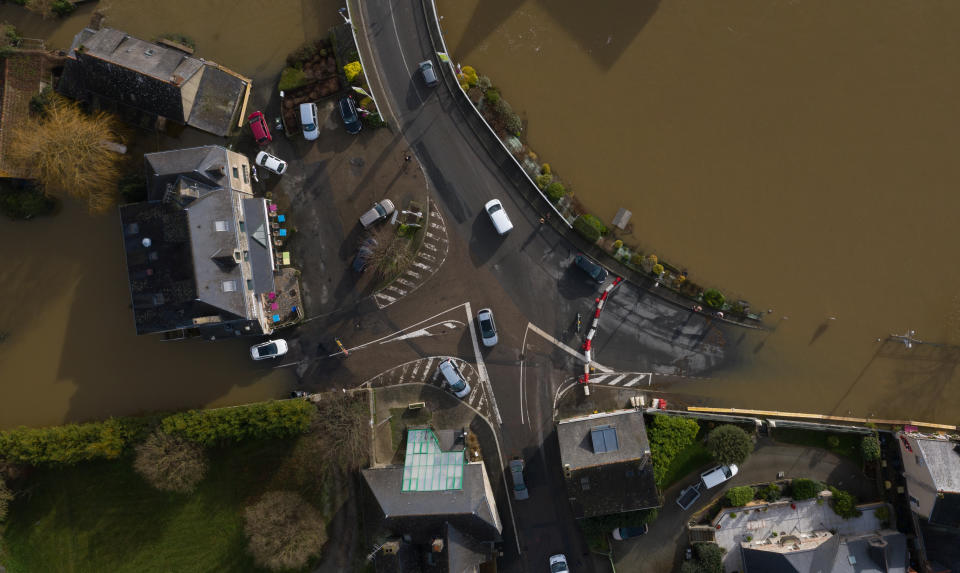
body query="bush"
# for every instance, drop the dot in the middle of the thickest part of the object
(657, 269)
(668, 437)
(67, 444)
(26, 202)
(740, 496)
(470, 75)
(484, 83)
(513, 123)
(636, 259)
(870, 448)
(291, 78)
(543, 180)
(545, 168)
(283, 531)
(770, 493)
(883, 514)
(617, 245)
(729, 444)
(555, 191)
(6, 496)
(132, 188)
(708, 558)
(41, 101)
(586, 230)
(63, 7)
(492, 96)
(713, 298)
(595, 223)
(803, 488)
(170, 463)
(263, 420)
(180, 39)
(844, 503)
(352, 70)
(833, 442)
(373, 120)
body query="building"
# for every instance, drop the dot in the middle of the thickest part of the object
(606, 463)
(438, 507)
(199, 251)
(110, 68)
(931, 466)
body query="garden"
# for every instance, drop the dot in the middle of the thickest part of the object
(250, 488)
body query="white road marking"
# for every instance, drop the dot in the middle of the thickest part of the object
(421, 266)
(638, 379)
(617, 379)
(400, 292)
(402, 330)
(412, 274)
(386, 296)
(429, 246)
(404, 282)
(481, 367)
(426, 257)
(403, 57)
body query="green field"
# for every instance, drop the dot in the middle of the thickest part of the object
(688, 460)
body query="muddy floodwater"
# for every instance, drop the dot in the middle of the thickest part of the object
(69, 350)
(799, 154)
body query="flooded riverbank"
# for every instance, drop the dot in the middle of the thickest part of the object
(796, 154)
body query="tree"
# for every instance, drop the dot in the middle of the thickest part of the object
(870, 448)
(352, 70)
(66, 151)
(729, 444)
(283, 530)
(740, 496)
(803, 488)
(669, 435)
(844, 503)
(389, 258)
(6, 496)
(713, 298)
(555, 191)
(276, 419)
(708, 558)
(170, 463)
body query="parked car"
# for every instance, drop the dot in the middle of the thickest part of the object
(498, 216)
(259, 127)
(598, 273)
(428, 73)
(516, 472)
(488, 328)
(271, 163)
(689, 495)
(363, 255)
(308, 121)
(379, 211)
(453, 379)
(718, 475)
(269, 349)
(558, 563)
(348, 111)
(622, 533)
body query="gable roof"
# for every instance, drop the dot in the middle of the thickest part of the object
(942, 459)
(880, 552)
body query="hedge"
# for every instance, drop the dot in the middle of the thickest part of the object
(589, 227)
(69, 444)
(669, 436)
(263, 420)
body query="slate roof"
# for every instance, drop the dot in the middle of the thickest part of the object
(818, 559)
(942, 459)
(871, 553)
(615, 480)
(463, 552)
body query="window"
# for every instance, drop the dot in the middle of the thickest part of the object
(236, 174)
(246, 255)
(229, 286)
(241, 225)
(221, 225)
(249, 284)
(236, 256)
(246, 173)
(914, 501)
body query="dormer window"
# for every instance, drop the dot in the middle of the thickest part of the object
(221, 225)
(229, 286)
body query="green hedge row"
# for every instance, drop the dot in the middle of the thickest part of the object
(669, 435)
(263, 420)
(69, 444)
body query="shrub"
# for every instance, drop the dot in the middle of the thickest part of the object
(543, 180)
(713, 298)
(770, 493)
(170, 463)
(740, 496)
(585, 229)
(484, 83)
(669, 436)
(870, 448)
(283, 530)
(373, 120)
(657, 269)
(513, 123)
(502, 108)
(803, 488)
(470, 75)
(844, 503)
(596, 223)
(833, 442)
(636, 259)
(132, 187)
(63, 7)
(352, 70)
(6, 496)
(617, 244)
(651, 259)
(180, 39)
(545, 168)
(41, 101)
(555, 191)
(263, 420)
(67, 444)
(492, 96)
(729, 444)
(883, 514)
(366, 103)
(25, 203)
(291, 78)
(708, 558)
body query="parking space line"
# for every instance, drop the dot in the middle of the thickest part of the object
(386, 296)
(413, 274)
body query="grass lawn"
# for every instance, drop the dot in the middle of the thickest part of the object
(688, 460)
(102, 516)
(848, 446)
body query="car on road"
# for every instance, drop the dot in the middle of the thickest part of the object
(688, 495)
(271, 163)
(453, 379)
(259, 127)
(716, 476)
(520, 491)
(348, 111)
(428, 73)
(379, 211)
(308, 121)
(498, 216)
(598, 273)
(558, 563)
(488, 328)
(269, 349)
(363, 255)
(622, 533)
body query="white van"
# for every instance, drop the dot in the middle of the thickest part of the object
(308, 121)
(498, 216)
(718, 475)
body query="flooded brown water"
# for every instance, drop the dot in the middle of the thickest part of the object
(71, 352)
(799, 154)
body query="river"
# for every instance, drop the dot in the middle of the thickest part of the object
(798, 154)
(70, 352)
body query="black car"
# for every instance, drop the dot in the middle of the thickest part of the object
(363, 255)
(348, 111)
(622, 533)
(598, 273)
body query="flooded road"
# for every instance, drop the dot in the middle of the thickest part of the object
(797, 154)
(70, 351)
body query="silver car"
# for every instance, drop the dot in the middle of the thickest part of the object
(378, 212)
(488, 328)
(453, 379)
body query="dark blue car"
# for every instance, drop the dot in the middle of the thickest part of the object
(598, 273)
(348, 111)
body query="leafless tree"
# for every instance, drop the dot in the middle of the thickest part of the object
(283, 530)
(170, 463)
(389, 258)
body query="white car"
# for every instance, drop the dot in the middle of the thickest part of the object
(271, 163)
(718, 475)
(269, 349)
(501, 222)
(453, 379)
(488, 328)
(558, 563)
(378, 212)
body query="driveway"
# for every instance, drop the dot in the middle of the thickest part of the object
(663, 546)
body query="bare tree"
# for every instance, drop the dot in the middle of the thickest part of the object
(68, 152)
(390, 258)
(170, 463)
(283, 530)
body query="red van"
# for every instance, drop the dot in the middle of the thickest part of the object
(258, 125)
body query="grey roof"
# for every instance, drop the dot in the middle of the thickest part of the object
(159, 62)
(205, 166)
(884, 552)
(577, 444)
(212, 252)
(256, 227)
(942, 459)
(464, 553)
(217, 102)
(818, 559)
